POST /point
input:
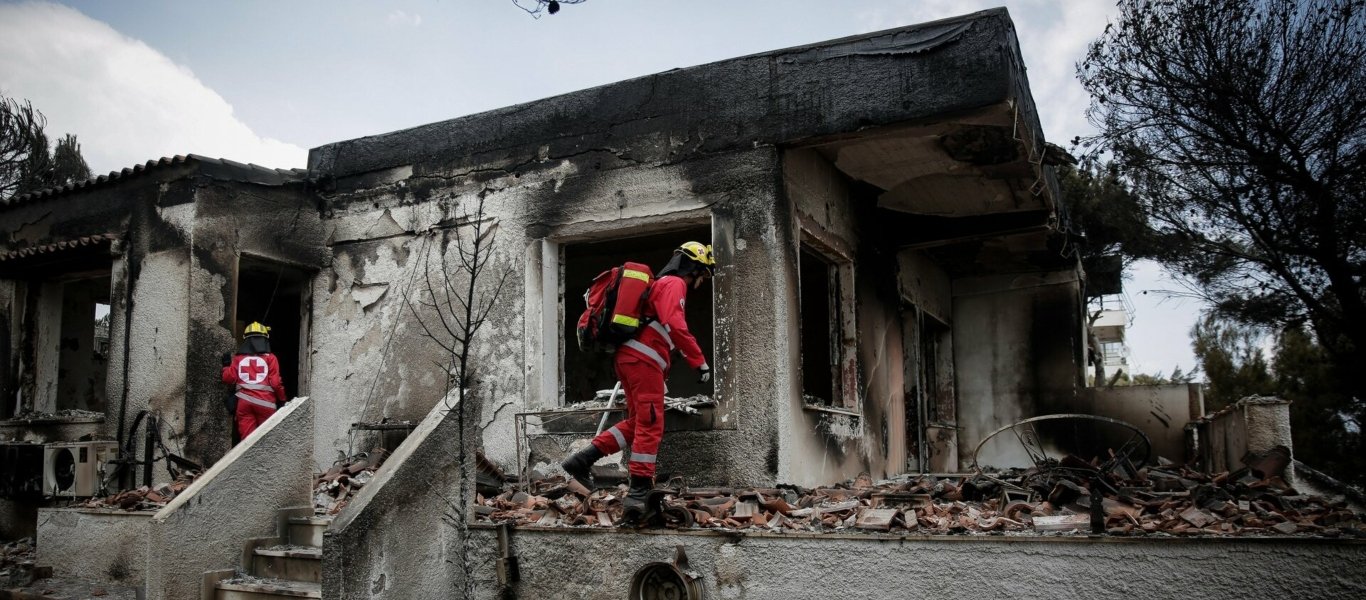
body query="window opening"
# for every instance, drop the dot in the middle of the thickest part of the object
(820, 329)
(586, 373)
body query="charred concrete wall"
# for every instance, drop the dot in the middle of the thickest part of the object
(235, 222)
(176, 237)
(1017, 343)
(141, 215)
(866, 430)
(398, 238)
(571, 563)
(681, 148)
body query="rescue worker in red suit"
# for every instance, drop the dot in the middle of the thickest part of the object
(641, 364)
(255, 373)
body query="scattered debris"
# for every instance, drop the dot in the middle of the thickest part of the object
(16, 563)
(334, 488)
(1154, 500)
(689, 405)
(72, 414)
(146, 498)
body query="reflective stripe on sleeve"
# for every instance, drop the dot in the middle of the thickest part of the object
(647, 351)
(642, 458)
(254, 400)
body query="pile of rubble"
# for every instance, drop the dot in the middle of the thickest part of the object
(16, 563)
(333, 489)
(72, 414)
(149, 498)
(1069, 497)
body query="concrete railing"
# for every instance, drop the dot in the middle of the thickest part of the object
(390, 541)
(205, 527)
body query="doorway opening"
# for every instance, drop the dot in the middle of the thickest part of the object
(273, 294)
(83, 344)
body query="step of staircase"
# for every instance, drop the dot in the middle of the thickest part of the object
(298, 563)
(256, 588)
(288, 566)
(307, 531)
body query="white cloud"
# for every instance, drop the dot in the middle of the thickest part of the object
(125, 101)
(402, 18)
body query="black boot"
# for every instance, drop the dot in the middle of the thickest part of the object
(580, 465)
(636, 498)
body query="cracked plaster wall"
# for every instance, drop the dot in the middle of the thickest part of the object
(577, 564)
(1160, 411)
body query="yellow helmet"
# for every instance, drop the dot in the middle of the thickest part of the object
(698, 252)
(256, 329)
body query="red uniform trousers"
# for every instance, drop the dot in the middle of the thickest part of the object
(643, 427)
(250, 416)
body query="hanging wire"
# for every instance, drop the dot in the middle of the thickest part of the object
(265, 318)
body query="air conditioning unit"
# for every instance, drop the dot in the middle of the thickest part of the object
(73, 469)
(21, 470)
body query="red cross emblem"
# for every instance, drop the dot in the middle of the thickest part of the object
(252, 369)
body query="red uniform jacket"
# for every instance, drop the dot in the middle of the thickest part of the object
(257, 377)
(668, 328)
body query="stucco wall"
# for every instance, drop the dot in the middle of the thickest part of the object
(1160, 411)
(1017, 346)
(205, 527)
(391, 539)
(600, 564)
(103, 546)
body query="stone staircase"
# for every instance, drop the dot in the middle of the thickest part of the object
(287, 566)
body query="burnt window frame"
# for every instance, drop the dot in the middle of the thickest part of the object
(843, 326)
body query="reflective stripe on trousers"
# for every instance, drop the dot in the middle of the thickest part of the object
(254, 400)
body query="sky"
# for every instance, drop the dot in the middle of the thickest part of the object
(264, 81)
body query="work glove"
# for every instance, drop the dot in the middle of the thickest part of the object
(704, 373)
(227, 358)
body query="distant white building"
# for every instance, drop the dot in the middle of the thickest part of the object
(1112, 315)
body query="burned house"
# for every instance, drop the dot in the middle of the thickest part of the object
(893, 286)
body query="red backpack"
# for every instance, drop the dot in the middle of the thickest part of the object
(616, 307)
